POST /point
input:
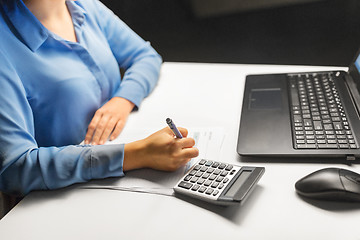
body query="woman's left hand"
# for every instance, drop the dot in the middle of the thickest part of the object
(108, 121)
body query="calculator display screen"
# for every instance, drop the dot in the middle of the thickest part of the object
(237, 184)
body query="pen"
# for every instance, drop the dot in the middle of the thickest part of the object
(173, 128)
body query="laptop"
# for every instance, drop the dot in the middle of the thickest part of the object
(302, 114)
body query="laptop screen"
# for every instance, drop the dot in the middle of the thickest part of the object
(357, 63)
(354, 70)
(354, 85)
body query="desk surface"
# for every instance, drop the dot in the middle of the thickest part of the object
(194, 95)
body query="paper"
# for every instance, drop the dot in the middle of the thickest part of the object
(209, 142)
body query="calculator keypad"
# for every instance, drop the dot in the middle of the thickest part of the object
(208, 177)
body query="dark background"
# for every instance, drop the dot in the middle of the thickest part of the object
(316, 33)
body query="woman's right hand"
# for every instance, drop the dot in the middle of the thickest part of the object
(161, 151)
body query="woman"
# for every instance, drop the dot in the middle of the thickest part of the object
(60, 83)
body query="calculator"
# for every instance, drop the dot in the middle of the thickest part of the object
(218, 182)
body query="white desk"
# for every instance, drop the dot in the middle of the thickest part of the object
(193, 95)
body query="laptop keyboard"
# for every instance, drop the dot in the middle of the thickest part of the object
(318, 117)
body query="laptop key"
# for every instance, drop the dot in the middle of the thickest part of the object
(333, 146)
(307, 122)
(318, 125)
(328, 126)
(297, 119)
(306, 146)
(338, 126)
(343, 146)
(294, 95)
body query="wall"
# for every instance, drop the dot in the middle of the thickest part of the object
(317, 33)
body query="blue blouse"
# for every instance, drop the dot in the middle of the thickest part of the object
(50, 89)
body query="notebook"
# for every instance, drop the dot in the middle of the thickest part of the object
(302, 114)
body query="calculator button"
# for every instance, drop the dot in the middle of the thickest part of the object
(224, 173)
(215, 192)
(209, 191)
(187, 178)
(219, 179)
(197, 167)
(206, 175)
(198, 174)
(192, 172)
(203, 169)
(210, 170)
(202, 162)
(215, 164)
(222, 166)
(195, 187)
(225, 180)
(215, 184)
(229, 167)
(202, 189)
(207, 183)
(212, 177)
(217, 171)
(201, 181)
(208, 163)
(194, 179)
(221, 185)
(185, 185)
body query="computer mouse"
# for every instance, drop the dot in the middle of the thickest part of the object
(332, 184)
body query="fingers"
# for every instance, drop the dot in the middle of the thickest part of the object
(99, 131)
(186, 142)
(189, 153)
(103, 131)
(117, 130)
(101, 128)
(183, 131)
(92, 128)
(188, 150)
(184, 157)
(108, 121)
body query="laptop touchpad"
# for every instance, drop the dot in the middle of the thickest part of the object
(265, 98)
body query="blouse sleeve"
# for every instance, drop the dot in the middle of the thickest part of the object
(140, 61)
(24, 166)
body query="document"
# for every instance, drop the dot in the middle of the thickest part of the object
(208, 140)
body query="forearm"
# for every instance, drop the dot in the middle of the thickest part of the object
(140, 79)
(53, 168)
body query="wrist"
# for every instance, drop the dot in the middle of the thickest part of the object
(134, 157)
(126, 104)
